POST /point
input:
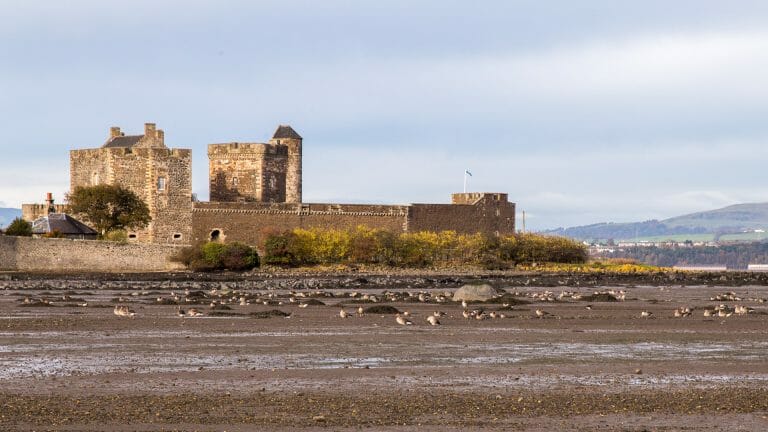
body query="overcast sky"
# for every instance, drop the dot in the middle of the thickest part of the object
(583, 111)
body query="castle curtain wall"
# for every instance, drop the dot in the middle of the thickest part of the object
(251, 223)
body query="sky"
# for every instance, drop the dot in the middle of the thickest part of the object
(582, 111)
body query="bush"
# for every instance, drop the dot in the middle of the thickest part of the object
(239, 257)
(214, 256)
(370, 246)
(20, 228)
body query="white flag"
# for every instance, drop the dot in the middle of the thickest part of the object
(467, 172)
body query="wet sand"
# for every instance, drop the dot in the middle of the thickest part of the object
(66, 366)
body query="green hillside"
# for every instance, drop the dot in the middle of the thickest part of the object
(739, 216)
(726, 224)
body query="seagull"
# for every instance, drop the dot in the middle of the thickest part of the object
(433, 320)
(588, 307)
(438, 314)
(406, 314)
(541, 314)
(464, 304)
(180, 312)
(402, 320)
(360, 311)
(646, 314)
(194, 313)
(303, 305)
(466, 314)
(124, 311)
(343, 314)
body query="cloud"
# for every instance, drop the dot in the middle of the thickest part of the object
(655, 111)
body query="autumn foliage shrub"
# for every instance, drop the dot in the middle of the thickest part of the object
(213, 256)
(420, 249)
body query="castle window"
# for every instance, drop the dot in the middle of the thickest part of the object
(161, 183)
(132, 236)
(177, 236)
(234, 181)
(215, 235)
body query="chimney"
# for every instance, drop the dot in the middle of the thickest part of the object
(114, 131)
(160, 136)
(149, 130)
(49, 202)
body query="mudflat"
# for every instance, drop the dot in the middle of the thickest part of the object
(67, 362)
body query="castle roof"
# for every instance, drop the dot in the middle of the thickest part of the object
(63, 223)
(286, 132)
(123, 141)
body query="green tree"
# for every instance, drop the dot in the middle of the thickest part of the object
(20, 228)
(109, 207)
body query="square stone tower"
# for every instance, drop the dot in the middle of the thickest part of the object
(162, 177)
(257, 172)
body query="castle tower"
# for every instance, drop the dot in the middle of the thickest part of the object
(247, 172)
(161, 176)
(286, 136)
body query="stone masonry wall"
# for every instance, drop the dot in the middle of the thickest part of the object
(488, 213)
(139, 170)
(32, 212)
(63, 255)
(247, 172)
(250, 223)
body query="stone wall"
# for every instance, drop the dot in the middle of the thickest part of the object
(251, 223)
(247, 172)
(489, 213)
(32, 212)
(140, 169)
(63, 255)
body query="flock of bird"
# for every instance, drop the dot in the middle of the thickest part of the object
(218, 299)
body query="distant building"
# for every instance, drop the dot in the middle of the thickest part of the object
(702, 268)
(33, 212)
(64, 226)
(757, 267)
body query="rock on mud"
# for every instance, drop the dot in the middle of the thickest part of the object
(480, 292)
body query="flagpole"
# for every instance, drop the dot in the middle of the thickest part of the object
(465, 181)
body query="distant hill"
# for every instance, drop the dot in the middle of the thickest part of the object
(7, 215)
(731, 219)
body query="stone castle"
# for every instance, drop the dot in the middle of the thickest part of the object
(255, 189)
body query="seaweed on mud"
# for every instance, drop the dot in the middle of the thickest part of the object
(359, 301)
(269, 314)
(37, 303)
(599, 297)
(163, 301)
(313, 302)
(382, 309)
(224, 314)
(221, 307)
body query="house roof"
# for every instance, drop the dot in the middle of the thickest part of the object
(63, 223)
(285, 131)
(123, 141)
